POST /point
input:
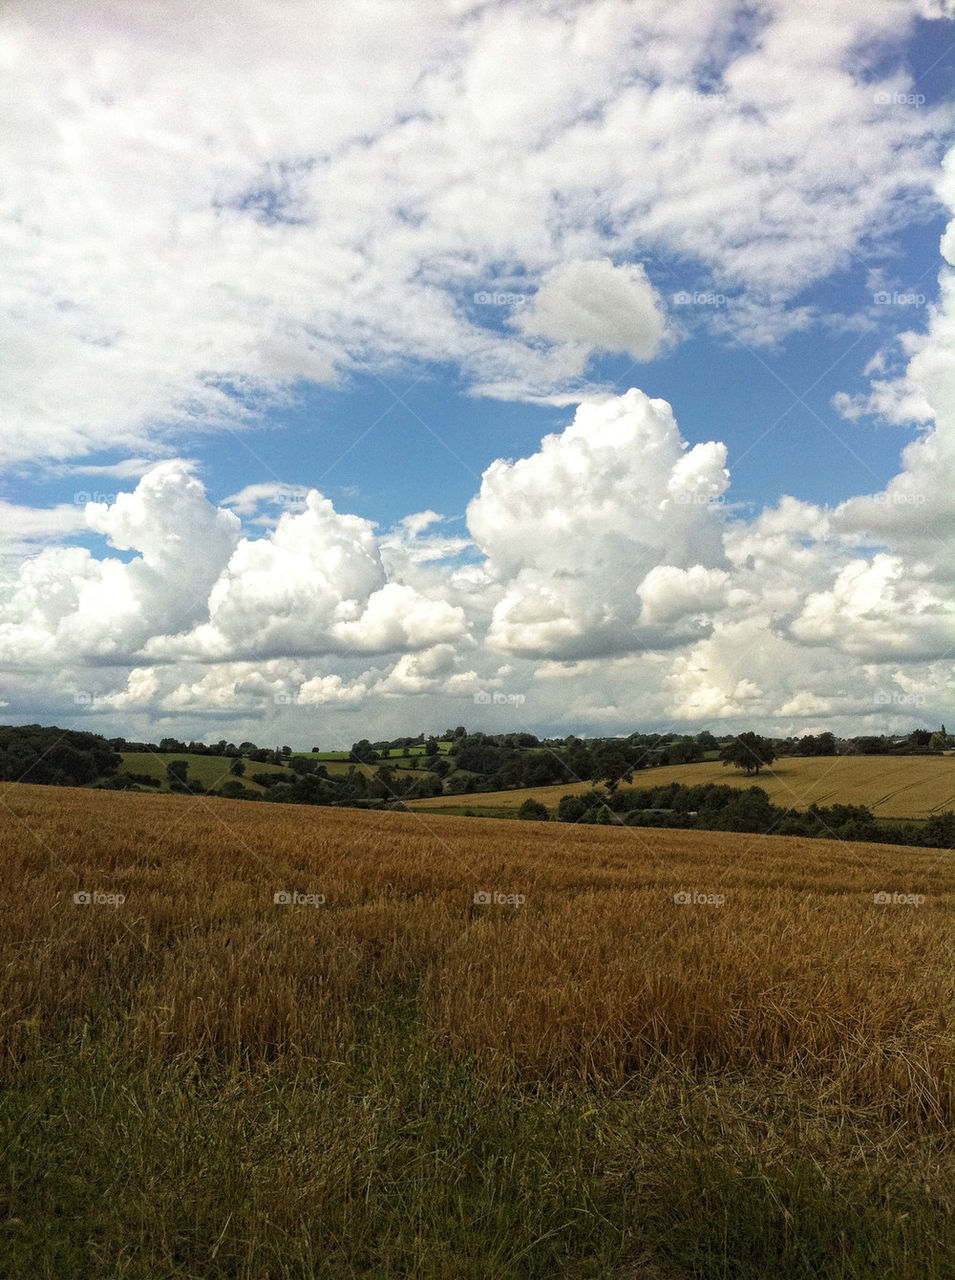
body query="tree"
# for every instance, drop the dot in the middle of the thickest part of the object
(570, 809)
(431, 747)
(612, 765)
(237, 767)
(749, 752)
(176, 770)
(362, 752)
(533, 810)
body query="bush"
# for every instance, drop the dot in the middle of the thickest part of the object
(570, 809)
(533, 810)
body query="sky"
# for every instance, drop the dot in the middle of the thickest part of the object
(375, 368)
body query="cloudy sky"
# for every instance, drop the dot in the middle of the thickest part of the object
(375, 367)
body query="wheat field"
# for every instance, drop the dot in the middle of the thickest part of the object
(598, 970)
(680, 982)
(891, 786)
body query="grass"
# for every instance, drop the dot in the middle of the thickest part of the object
(891, 786)
(601, 1082)
(210, 771)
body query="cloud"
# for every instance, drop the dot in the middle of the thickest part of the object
(571, 532)
(607, 563)
(68, 605)
(598, 305)
(315, 585)
(196, 219)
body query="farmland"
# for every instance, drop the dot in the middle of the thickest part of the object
(891, 786)
(633, 1053)
(209, 771)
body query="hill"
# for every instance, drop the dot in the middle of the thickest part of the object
(891, 786)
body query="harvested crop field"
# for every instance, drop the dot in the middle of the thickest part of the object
(891, 786)
(455, 1048)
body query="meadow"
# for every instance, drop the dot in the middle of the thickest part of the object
(213, 771)
(891, 786)
(276, 1041)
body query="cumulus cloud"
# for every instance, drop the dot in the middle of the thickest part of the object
(571, 532)
(67, 604)
(315, 585)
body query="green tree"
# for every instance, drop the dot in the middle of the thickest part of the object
(612, 764)
(749, 752)
(237, 767)
(533, 810)
(177, 770)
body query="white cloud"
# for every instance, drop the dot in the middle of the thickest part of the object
(571, 532)
(67, 604)
(198, 214)
(598, 305)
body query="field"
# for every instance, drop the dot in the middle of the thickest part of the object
(210, 771)
(650, 1054)
(891, 786)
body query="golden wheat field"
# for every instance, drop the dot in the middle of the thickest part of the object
(600, 951)
(891, 786)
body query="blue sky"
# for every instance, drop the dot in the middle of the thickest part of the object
(386, 284)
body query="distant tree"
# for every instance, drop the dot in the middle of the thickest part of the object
(237, 767)
(533, 810)
(177, 770)
(706, 742)
(431, 747)
(684, 751)
(570, 809)
(749, 752)
(232, 789)
(612, 764)
(363, 752)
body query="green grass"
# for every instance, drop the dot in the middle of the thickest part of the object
(210, 771)
(391, 1161)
